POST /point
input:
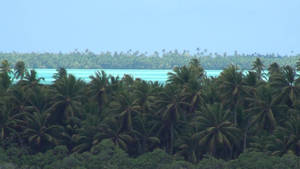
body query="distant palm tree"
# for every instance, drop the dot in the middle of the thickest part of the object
(258, 66)
(19, 70)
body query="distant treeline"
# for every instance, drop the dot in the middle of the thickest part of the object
(138, 60)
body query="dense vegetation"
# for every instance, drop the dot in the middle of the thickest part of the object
(138, 60)
(234, 121)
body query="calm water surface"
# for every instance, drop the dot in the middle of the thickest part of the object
(145, 74)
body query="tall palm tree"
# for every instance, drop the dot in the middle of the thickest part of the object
(263, 108)
(189, 148)
(144, 132)
(217, 135)
(232, 89)
(171, 112)
(125, 107)
(286, 85)
(144, 94)
(61, 73)
(8, 122)
(274, 68)
(31, 80)
(258, 66)
(19, 70)
(287, 138)
(98, 87)
(5, 67)
(67, 94)
(84, 137)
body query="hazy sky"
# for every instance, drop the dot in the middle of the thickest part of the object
(248, 26)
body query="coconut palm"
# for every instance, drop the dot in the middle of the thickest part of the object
(145, 134)
(8, 121)
(125, 107)
(5, 67)
(286, 85)
(112, 129)
(263, 108)
(66, 98)
(258, 66)
(19, 70)
(232, 89)
(189, 148)
(217, 135)
(98, 87)
(287, 138)
(61, 73)
(170, 110)
(39, 132)
(31, 80)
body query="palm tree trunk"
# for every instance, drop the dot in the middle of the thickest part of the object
(171, 138)
(245, 136)
(235, 115)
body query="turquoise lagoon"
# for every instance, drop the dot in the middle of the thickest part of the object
(145, 74)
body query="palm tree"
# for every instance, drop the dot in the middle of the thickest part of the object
(232, 89)
(112, 129)
(263, 108)
(61, 73)
(170, 111)
(85, 135)
(125, 107)
(217, 135)
(20, 70)
(144, 94)
(144, 133)
(189, 148)
(5, 81)
(286, 85)
(39, 132)
(18, 100)
(8, 122)
(5, 67)
(98, 87)
(274, 68)
(31, 80)
(258, 66)
(287, 138)
(66, 97)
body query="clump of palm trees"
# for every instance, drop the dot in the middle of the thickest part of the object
(190, 115)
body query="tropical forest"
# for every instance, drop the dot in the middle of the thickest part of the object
(165, 59)
(237, 120)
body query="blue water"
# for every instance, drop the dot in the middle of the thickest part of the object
(145, 74)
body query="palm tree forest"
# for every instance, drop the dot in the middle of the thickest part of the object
(238, 120)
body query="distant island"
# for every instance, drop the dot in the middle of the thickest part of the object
(138, 60)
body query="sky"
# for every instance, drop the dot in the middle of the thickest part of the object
(248, 26)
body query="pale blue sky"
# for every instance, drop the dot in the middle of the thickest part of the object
(248, 26)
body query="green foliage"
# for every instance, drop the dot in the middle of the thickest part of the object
(239, 119)
(138, 60)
